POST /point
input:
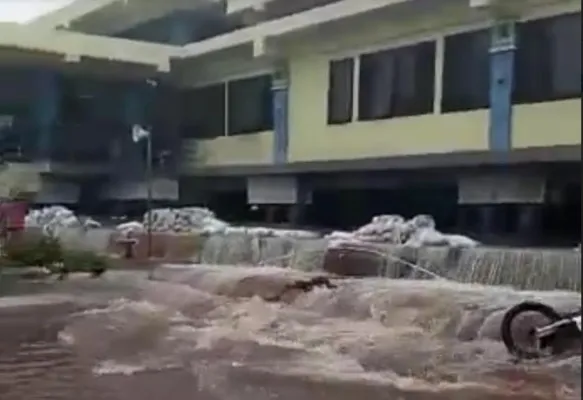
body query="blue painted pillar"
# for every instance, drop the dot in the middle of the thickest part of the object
(46, 111)
(502, 49)
(280, 95)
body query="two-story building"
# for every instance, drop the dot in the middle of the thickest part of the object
(326, 110)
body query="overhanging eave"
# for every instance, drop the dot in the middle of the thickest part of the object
(71, 12)
(112, 16)
(74, 46)
(287, 25)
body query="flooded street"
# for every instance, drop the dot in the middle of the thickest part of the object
(205, 333)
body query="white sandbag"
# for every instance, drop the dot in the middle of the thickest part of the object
(394, 229)
(91, 223)
(461, 241)
(130, 228)
(340, 235)
(54, 220)
(184, 220)
(295, 234)
(427, 237)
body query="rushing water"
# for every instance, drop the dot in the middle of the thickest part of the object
(205, 333)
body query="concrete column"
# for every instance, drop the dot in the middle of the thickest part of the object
(295, 214)
(487, 219)
(529, 220)
(270, 212)
(46, 111)
(280, 101)
(462, 222)
(502, 49)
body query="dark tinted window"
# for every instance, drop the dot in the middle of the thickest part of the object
(397, 82)
(466, 72)
(340, 91)
(250, 105)
(548, 59)
(203, 112)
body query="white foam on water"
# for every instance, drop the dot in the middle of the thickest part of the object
(412, 338)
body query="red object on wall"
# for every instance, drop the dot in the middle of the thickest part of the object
(12, 214)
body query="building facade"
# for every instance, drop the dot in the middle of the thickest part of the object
(324, 109)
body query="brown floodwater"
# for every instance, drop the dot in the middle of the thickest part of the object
(205, 333)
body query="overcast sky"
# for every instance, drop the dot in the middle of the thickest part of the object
(26, 10)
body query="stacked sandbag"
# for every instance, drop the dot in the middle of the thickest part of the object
(185, 220)
(197, 220)
(419, 231)
(130, 228)
(382, 228)
(432, 237)
(271, 232)
(54, 219)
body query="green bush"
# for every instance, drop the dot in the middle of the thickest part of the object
(48, 252)
(85, 261)
(33, 252)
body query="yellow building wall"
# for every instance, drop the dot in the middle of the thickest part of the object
(251, 149)
(311, 138)
(547, 124)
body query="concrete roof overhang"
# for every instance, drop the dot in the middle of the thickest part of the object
(343, 13)
(111, 16)
(20, 42)
(41, 37)
(257, 35)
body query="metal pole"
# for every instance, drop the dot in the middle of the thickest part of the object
(149, 192)
(153, 84)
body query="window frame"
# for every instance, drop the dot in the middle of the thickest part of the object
(189, 129)
(352, 73)
(399, 105)
(524, 92)
(267, 117)
(449, 104)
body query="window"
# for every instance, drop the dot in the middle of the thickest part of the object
(340, 91)
(203, 112)
(397, 82)
(466, 72)
(250, 105)
(548, 59)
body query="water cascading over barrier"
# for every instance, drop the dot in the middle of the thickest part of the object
(532, 269)
(537, 269)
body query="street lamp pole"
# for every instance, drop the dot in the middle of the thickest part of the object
(149, 174)
(149, 196)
